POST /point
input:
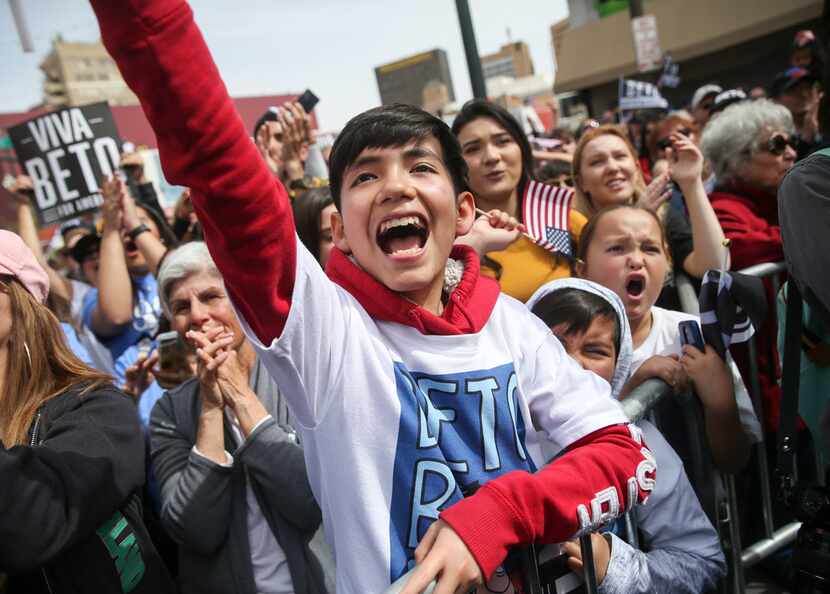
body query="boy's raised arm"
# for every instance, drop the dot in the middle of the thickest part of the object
(203, 144)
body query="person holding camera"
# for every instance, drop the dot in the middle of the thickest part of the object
(234, 490)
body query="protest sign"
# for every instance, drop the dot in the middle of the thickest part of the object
(66, 153)
(635, 94)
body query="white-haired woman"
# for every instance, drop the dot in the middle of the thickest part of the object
(751, 148)
(234, 491)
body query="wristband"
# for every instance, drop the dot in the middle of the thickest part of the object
(135, 232)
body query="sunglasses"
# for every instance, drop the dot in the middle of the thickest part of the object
(665, 143)
(564, 182)
(778, 143)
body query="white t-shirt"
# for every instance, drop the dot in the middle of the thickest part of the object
(395, 423)
(664, 339)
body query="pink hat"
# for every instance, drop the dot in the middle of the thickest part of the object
(17, 260)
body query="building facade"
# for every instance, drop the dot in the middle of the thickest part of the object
(404, 81)
(736, 43)
(80, 73)
(513, 60)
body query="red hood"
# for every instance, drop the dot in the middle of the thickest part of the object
(466, 312)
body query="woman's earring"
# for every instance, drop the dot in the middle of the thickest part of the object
(28, 353)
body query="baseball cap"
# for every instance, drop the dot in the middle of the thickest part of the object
(74, 224)
(17, 260)
(85, 247)
(703, 92)
(727, 98)
(784, 81)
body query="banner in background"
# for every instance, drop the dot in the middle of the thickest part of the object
(636, 94)
(66, 153)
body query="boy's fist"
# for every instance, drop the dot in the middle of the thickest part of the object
(443, 556)
(601, 548)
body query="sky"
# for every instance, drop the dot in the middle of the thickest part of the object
(270, 47)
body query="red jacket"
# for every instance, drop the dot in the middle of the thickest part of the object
(248, 226)
(749, 219)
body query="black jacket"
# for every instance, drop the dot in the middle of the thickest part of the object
(69, 522)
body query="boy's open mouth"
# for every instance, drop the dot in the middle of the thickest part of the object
(403, 236)
(635, 285)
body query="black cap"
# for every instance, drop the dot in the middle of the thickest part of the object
(73, 224)
(85, 247)
(727, 98)
(784, 81)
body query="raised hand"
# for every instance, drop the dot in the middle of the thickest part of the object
(21, 189)
(111, 190)
(657, 192)
(296, 130)
(685, 160)
(133, 165)
(129, 214)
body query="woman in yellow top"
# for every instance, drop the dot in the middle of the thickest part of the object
(500, 163)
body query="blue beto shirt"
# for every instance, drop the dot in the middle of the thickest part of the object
(146, 315)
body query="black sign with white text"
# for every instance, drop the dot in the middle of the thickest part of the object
(66, 153)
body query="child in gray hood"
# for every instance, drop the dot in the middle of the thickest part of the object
(682, 553)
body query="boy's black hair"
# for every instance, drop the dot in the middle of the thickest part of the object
(577, 309)
(307, 208)
(553, 168)
(392, 126)
(479, 108)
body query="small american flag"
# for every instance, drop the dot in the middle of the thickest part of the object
(546, 212)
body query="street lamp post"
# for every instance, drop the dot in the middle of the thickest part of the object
(471, 49)
(22, 28)
(635, 8)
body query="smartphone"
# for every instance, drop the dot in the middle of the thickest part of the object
(308, 100)
(172, 351)
(690, 334)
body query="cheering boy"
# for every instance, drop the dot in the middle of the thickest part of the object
(411, 379)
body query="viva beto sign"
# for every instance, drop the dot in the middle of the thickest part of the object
(67, 153)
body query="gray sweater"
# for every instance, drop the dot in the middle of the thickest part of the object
(204, 506)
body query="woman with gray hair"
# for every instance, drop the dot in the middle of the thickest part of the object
(234, 490)
(751, 148)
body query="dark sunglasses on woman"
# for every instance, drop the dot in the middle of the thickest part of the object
(778, 143)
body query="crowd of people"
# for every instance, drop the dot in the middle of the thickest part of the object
(329, 368)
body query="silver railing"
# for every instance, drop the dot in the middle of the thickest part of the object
(741, 558)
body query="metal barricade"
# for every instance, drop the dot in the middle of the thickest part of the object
(742, 558)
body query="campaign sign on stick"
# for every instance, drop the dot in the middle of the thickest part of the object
(66, 153)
